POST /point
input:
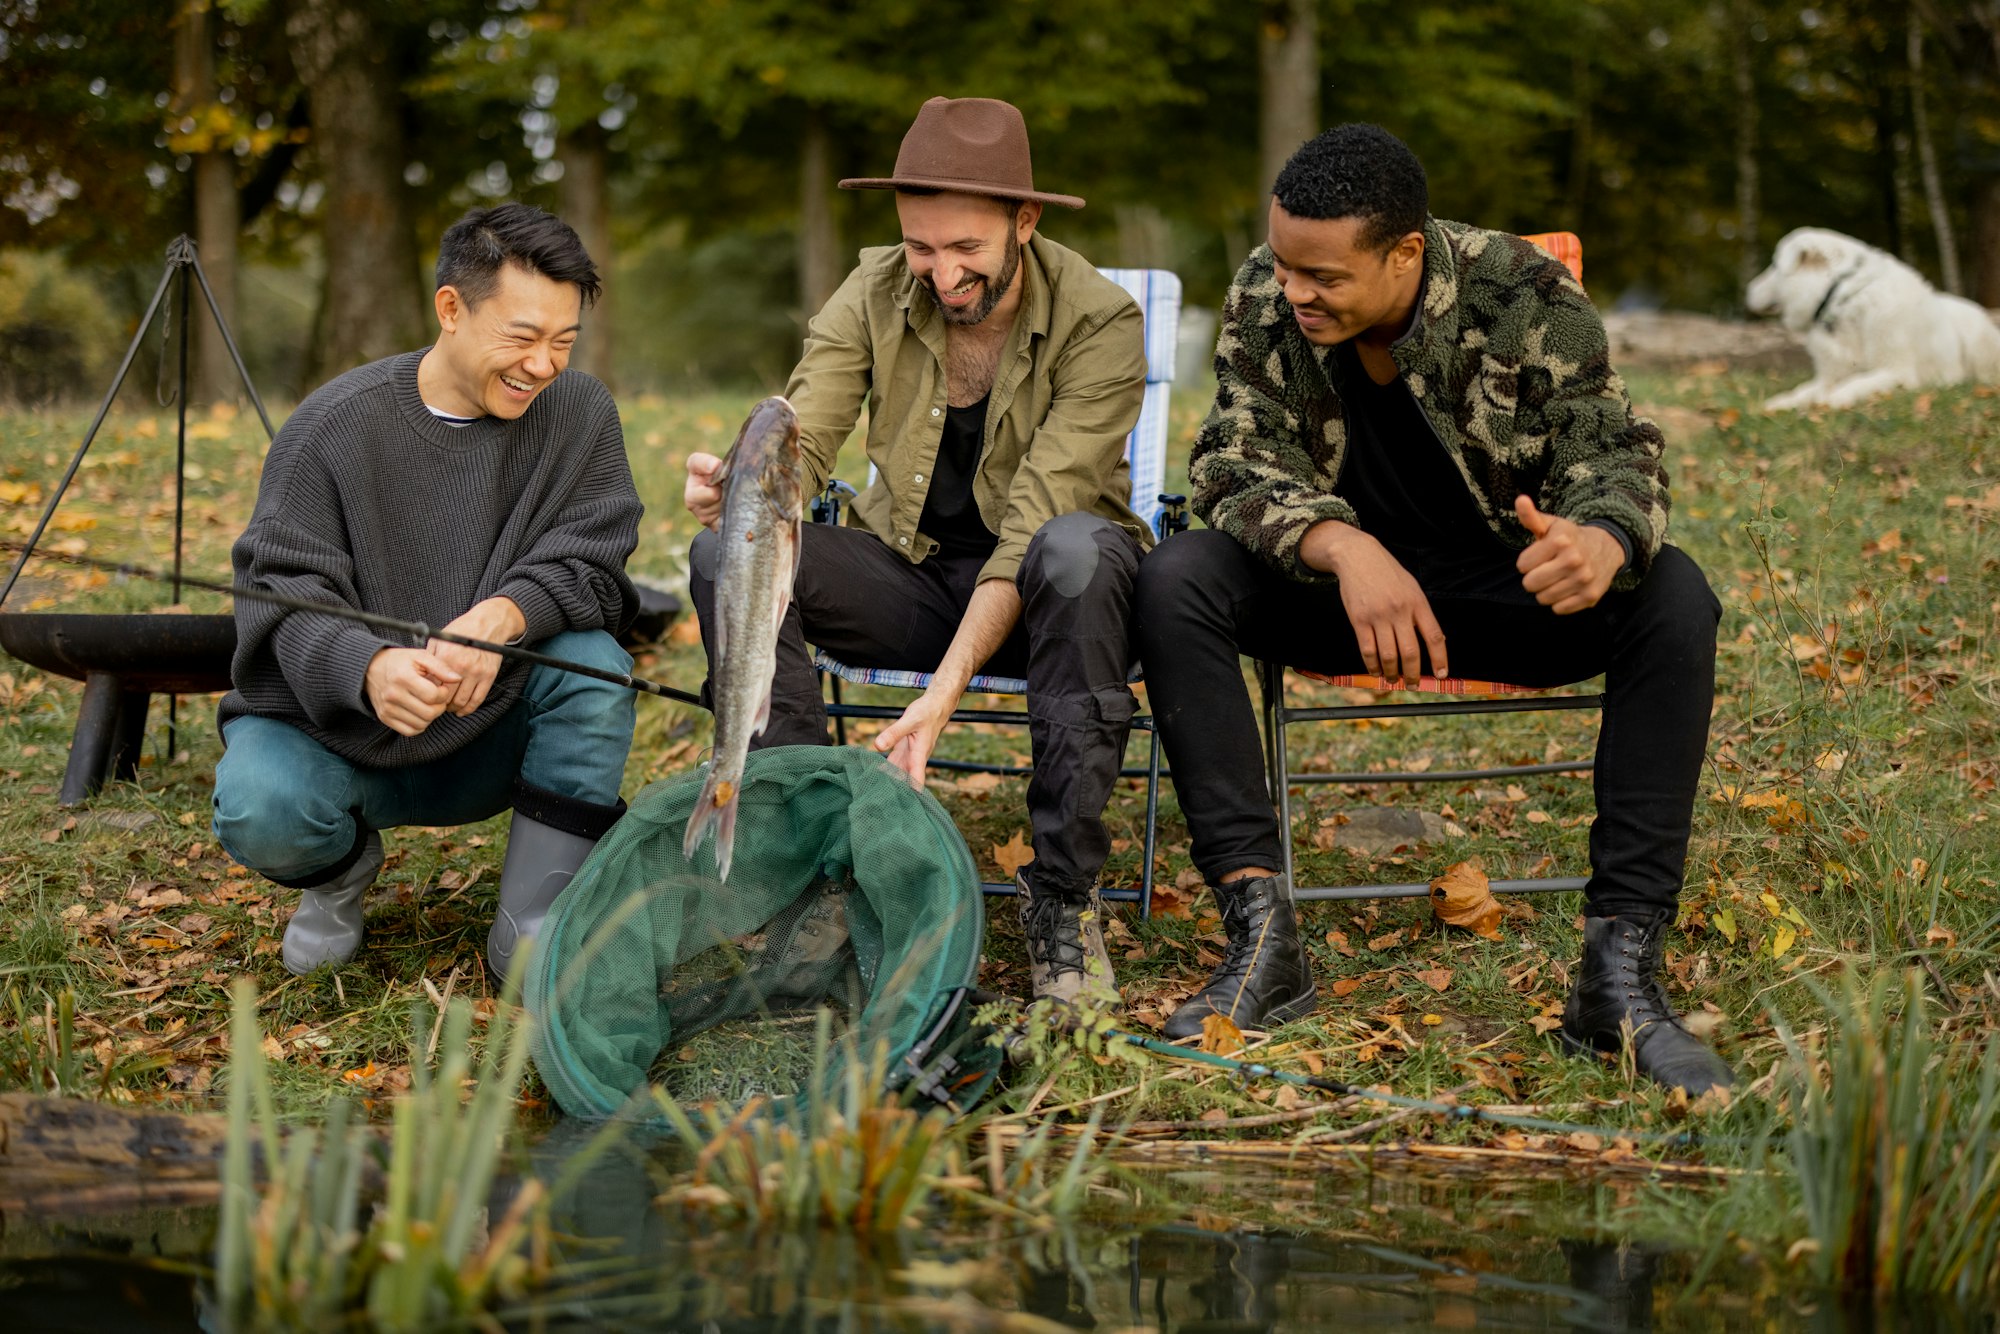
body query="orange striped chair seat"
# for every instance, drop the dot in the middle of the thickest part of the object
(1427, 685)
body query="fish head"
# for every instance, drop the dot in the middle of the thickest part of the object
(767, 448)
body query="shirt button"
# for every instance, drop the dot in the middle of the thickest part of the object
(902, 541)
(920, 477)
(934, 412)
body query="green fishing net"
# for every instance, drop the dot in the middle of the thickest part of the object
(851, 893)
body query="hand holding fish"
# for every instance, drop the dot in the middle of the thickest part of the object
(758, 510)
(408, 688)
(702, 495)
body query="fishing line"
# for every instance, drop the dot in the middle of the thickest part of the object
(414, 629)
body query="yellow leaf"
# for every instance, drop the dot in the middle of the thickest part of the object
(1012, 855)
(1433, 1020)
(1219, 1035)
(1462, 896)
(1782, 939)
(1725, 922)
(1770, 902)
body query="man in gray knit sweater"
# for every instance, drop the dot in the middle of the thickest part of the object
(474, 484)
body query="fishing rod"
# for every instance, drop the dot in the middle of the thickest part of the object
(1249, 1070)
(375, 620)
(1449, 1110)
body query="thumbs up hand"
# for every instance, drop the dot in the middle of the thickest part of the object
(1569, 566)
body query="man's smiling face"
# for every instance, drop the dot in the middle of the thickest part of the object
(966, 249)
(1337, 287)
(501, 353)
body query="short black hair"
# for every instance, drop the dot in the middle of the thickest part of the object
(478, 244)
(1357, 171)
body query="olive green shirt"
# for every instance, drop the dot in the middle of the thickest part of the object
(1067, 391)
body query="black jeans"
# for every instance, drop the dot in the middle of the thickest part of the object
(1202, 599)
(862, 603)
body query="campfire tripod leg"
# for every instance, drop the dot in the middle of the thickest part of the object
(111, 721)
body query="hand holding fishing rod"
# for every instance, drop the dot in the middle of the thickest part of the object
(417, 630)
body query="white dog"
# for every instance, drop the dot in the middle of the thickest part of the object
(1871, 322)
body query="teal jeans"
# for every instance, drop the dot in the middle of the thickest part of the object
(291, 809)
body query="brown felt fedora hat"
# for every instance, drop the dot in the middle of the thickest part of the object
(968, 145)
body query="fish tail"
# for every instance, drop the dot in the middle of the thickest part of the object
(714, 812)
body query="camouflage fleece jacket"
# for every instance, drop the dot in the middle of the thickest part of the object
(1508, 360)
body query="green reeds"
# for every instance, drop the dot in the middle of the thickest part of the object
(848, 1153)
(347, 1221)
(1891, 1173)
(39, 1052)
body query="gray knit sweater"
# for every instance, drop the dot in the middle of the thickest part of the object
(371, 501)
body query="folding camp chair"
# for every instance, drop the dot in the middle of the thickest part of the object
(1463, 697)
(1158, 293)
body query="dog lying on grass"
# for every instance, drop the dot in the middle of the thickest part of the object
(1872, 324)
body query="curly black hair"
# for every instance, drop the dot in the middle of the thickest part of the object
(1357, 171)
(474, 248)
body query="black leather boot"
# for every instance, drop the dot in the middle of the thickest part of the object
(1618, 990)
(1264, 979)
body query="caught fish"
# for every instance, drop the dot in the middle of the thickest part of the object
(762, 503)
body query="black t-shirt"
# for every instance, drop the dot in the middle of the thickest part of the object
(1410, 496)
(951, 516)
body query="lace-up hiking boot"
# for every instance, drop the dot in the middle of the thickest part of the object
(1618, 994)
(1066, 957)
(326, 926)
(1264, 979)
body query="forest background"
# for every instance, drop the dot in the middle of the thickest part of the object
(316, 148)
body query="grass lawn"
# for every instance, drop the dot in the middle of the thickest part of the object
(1846, 820)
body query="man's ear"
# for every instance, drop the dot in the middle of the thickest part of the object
(1024, 221)
(451, 308)
(1407, 253)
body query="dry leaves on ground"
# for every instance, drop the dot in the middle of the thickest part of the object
(1220, 1036)
(1012, 855)
(1463, 896)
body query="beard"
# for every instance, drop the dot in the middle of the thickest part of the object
(994, 289)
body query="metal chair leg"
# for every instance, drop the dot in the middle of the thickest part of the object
(1146, 851)
(1281, 766)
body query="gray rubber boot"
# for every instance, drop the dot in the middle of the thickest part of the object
(326, 926)
(540, 862)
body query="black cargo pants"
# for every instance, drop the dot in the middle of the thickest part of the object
(869, 607)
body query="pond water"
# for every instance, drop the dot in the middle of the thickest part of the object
(1205, 1250)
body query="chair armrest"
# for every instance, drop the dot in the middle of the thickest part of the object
(826, 508)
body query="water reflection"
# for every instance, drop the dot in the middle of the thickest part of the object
(1257, 1254)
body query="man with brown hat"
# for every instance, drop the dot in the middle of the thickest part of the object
(1002, 374)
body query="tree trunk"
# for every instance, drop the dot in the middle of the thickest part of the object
(819, 238)
(1749, 202)
(1577, 187)
(373, 300)
(586, 206)
(1288, 82)
(1920, 127)
(216, 211)
(1986, 242)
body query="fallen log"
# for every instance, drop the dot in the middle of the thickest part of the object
(60, 1155)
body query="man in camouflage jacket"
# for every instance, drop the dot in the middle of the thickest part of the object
(1420, 458)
